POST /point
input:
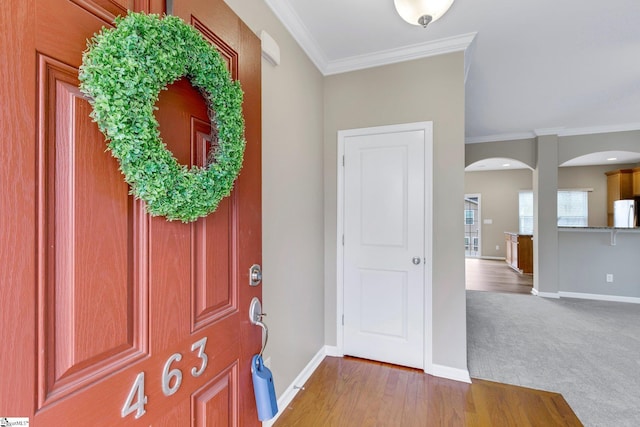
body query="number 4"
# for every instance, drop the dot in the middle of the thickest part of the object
(137, 392)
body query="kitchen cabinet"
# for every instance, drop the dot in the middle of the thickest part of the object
(636, 181)
(619, 187)
(519, 248)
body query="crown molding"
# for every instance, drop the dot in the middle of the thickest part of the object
(292, 22)
(548, 131)
(468, 53)
(560, 131)
(600, 129)
(406, 53)
(500, 137)
(591, 130)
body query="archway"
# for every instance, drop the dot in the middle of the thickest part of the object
(496, 183)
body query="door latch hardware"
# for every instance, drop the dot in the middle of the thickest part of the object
(255, 275)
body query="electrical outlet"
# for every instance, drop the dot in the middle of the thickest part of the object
(609, 278)
(497, 247)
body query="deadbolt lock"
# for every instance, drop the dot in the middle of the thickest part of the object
(255, 275)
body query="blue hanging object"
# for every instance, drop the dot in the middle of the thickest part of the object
(263, 389)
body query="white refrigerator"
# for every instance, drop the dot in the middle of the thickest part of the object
(624, 213)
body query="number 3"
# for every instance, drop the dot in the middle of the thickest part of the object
(199, 345)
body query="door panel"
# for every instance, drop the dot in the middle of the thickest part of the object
(383, 196)
(109, 9)
(384, 223)
(136, 320)
(216, 403)
(90, 297)
(214, 241)
(389, 290)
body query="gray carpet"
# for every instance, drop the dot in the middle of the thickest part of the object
(589, 351)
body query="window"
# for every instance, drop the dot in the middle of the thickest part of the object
(525, 214)
(573, 209)
(468, 217)
(466, 243)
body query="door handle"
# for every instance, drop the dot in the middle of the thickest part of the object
(416, 260)
(255, 316)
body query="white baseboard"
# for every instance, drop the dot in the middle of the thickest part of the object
(450, 373)
(580, 295)
(554, 295)
(599, 297)
(496, 258)
(293, 389)
(332, 351)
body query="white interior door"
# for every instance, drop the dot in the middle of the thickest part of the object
(384, 245)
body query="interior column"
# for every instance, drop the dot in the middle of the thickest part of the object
(545, 220)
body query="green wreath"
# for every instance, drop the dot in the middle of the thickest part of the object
(123, 71)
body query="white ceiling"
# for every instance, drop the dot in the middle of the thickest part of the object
(572, 66)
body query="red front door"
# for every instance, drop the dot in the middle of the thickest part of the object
(112, 317)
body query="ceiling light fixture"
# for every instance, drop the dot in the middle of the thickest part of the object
(422, 12)
(506, 165)
(611, 159)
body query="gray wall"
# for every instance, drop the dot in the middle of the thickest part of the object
(523, 150)
(587, 257)
(569, 147)
(292, 199)
(395, 94)
(578, 145)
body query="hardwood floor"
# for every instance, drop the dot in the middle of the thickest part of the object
(495, 276)
(353, 392)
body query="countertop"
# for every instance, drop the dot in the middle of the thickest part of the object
(631, 230)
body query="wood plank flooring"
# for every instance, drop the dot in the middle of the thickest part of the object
(354, 392)
(495, 276)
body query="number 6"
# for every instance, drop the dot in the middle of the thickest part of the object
(167, 374)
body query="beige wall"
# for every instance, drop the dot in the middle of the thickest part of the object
(590, 177)
(298, 295)
(499, 201)
(292, 199)
(430, 89)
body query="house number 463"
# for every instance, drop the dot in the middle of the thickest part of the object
(171, 380)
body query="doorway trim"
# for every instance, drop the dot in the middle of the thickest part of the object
(479, 197)
(427, 128)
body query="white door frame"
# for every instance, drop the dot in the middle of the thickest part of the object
(479, 196)
(427, 127)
